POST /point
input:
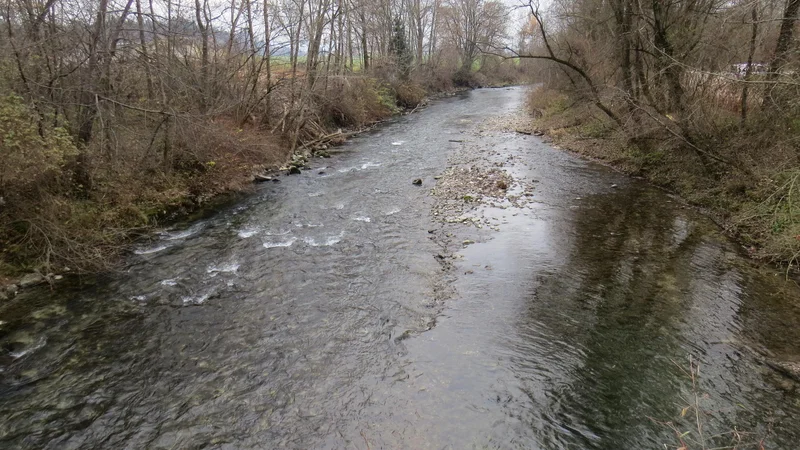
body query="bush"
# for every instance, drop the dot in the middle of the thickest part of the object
(354, 102)
(465, 78)
(433, 79)
(409, 95)
(32, 154)
(212, 154)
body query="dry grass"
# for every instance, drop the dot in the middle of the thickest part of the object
(145, 169)
(755, 197)
(85, 227)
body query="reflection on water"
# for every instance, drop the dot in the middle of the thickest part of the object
(575, 325)
(299, 319)
(640, 289)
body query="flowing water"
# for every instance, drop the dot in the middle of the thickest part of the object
(317, 313)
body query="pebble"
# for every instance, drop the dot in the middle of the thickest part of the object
(31, 279)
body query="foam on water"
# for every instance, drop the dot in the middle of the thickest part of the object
(392, 211)
(39, 344)
(225, 268)
(280, 243)
(362, 219)
(331, 240)
(195, 300)
(250, 232)
(150, 250)
(182, 234)
(247, 232)
(364, 166)
(305, 225)
(169, 282)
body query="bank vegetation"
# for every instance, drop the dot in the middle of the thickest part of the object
(700, 96)
(115, 114)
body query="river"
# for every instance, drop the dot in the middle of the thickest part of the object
(334, 310)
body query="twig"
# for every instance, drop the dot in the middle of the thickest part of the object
(365, 439)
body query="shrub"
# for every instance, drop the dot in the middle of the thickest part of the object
(31, 154)
(433, 79)
(464, 78)
(409, 95)
(354, 102)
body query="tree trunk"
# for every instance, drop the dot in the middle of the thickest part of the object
(784, 38)
(265, 119)
(202, 27)
(749, 69)
(623, 18)
(88, 107)
(145, 58)
(364, 47)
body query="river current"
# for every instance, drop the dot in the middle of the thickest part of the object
(318, 313)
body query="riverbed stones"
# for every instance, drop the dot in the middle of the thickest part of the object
(417, 182)
(298, 162)
(786, 368)
(31, 279)
(519, 123)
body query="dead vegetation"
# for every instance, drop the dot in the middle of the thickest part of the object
(700, 97)
(117, 114)
(758, 206)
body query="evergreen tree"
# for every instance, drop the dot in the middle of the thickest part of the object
(399, 49)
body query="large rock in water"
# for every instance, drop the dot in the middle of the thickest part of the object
(31, 279)
(12, 290)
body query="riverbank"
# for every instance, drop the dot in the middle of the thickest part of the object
(322, 311)
(753, 206)
(99, 229)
